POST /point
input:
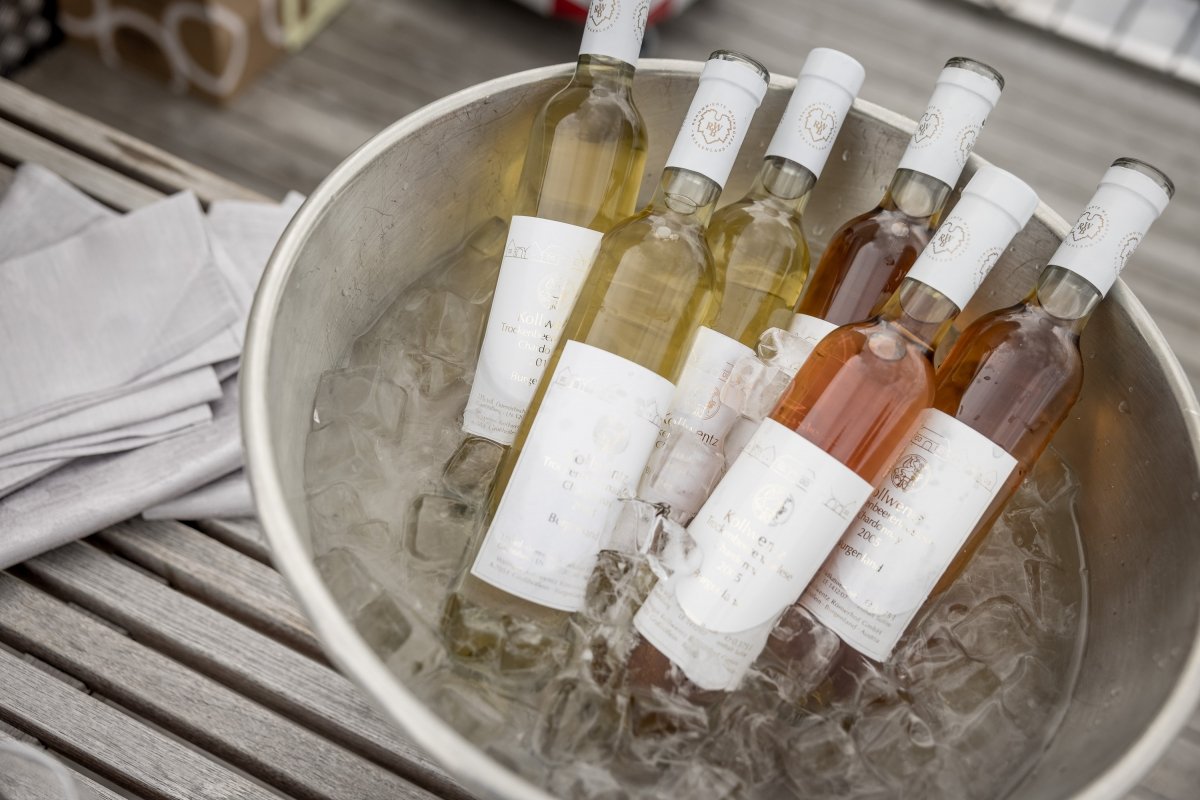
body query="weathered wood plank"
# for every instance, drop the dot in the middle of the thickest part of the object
(201, 711)
(249, 662)
(244, 535)
(112, 744)
(95, 790)
(18, 145)
(225, 579)
(112, 148)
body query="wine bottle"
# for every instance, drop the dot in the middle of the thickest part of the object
(759, 247)
(582, 171)
(1002, 392)
(785, 502)
(868, 256)
(594, 422)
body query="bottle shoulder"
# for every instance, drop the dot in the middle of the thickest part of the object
(578, 105)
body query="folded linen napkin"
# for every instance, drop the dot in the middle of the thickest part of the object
(225, 498)
(40, 209)
(107, 419)
(83, 319)
(89, 494)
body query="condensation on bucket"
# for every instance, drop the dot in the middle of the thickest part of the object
(962, 710)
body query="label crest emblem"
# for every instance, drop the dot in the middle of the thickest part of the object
(909, 474)
(773, 505)
(602, 14)
(1091, 227)
(818, 125)
(950, 239)
(714, 128)
(929, 127)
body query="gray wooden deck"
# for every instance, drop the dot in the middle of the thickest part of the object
(228, 664)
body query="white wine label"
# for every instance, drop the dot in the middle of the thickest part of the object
(697, 405)
(828, 82)
(592, 435)
(712, 661)
(905, 537)
(811, 330)
(717, 121)
(946, 132)
(615, 28)
(767, 528)
(1111, 227)
(541, 274)
(995, 205)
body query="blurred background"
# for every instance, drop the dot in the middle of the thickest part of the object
(274, 93)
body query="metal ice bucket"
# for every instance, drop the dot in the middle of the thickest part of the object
(420, 185)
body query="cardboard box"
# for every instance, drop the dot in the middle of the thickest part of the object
(212, 48)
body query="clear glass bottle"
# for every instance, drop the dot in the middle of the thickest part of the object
(1003, 391)
(760, 250)
(808, 469)
(583, 168)
(868, 256)
(593, 424)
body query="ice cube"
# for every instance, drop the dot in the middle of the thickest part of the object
(373, 536)
(334, 509)
(439, 529)
(645, 529)
(616, 589)
(377, 617)
(383, 625)
(1031, 696)
(700, 781)
(821, 761)
(470, 472)
(471, 273)
(341, 452)
(363, 396)
(997, 632)
(580, 722)
(798, 657)
(451, 327)
(894, 740)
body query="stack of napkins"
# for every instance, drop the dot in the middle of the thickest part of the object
(122, 333)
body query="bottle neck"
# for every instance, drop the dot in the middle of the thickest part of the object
(921, 312)
(917, 195)
(784, 183)
(603, 72)
(1066, 296)
(686, 193)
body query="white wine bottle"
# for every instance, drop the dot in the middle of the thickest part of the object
(594, 421)
(760, 249)
(583, 168)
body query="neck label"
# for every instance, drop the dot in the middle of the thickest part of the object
(592, 435)
(946, 132)
(904, 538)
(614, 29)
(766, 529)
(717, 121)
(1107, 233)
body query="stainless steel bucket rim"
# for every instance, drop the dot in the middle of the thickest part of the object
(352, 655)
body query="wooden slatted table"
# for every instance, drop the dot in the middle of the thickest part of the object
(167, 661)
